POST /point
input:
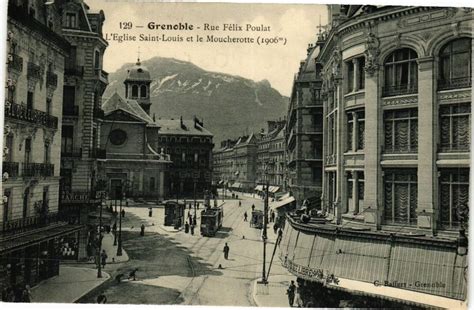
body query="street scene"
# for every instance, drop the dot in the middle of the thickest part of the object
(224, 154)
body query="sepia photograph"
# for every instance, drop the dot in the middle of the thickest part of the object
(235, 154)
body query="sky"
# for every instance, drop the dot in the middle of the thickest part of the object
(277, 63)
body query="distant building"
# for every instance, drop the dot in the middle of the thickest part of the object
(304, 132)
(133, 165)
(31, 226)
(190, 146)
(397, 124)
(271, 161)
(84, 83)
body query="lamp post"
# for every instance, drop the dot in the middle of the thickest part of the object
(121, 193)
(265, 220)
(99, 270)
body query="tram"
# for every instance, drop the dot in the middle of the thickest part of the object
(211, 221)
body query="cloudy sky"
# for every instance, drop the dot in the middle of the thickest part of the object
(276, 63)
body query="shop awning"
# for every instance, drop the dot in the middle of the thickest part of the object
(37, 235)
(236, 185)
(273, 189)
(220, 182)
(284, 196)
(397, 294)
(281, 203)
(259, 188)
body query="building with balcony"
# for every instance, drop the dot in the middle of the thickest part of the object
(304, 131)
(396, 107)
(31, 228)
(84, 83)
(271, 163)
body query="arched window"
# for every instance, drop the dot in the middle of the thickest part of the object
(401, 73)
(134, 91)
(455, 64)
(143, 92)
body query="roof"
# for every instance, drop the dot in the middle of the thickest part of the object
(138, 73)
(116, 102)
(308, 72)
(173, 127)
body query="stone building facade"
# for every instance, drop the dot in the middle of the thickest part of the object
(396, 92)
(31, 227)
(84, 83)
(271, 156)
(304, 131)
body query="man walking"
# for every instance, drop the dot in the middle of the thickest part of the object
(226, 251)
(291, 293)
(103, 257)
(245, 216)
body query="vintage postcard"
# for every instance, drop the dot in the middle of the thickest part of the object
(225, 154)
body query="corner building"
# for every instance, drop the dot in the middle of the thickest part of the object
(396, 119)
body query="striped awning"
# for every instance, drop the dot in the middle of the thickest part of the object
(438, 269)
(273, 189)
(281, 203)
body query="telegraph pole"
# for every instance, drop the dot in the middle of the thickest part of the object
(99, 270)
(264, 235)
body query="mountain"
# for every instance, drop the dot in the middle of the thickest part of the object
(229, 105)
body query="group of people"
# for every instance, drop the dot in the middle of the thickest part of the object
(294, 295)
(17, 294)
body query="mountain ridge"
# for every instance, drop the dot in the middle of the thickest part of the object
(230, 105)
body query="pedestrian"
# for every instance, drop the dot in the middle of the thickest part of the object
(226, 251)
(240, 203)
(192, 230)
(194, 220)
(150, 212)
(275, 228)
(299, 301)
(142, 230)
(186, 227)
(245, 216)
(101, 299)
(291, 293)
(133, 274)
(123, 212)
(26, 294)
(103, 257)
(272, 216)
(253, 207)
(114, 227)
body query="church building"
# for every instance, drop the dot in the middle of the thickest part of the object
(127, 134)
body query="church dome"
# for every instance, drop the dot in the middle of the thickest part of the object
(138, 73)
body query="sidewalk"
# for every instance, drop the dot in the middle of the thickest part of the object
(274, 293)
(111, 250)
(71, 284)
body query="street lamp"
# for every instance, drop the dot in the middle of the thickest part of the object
(265, 220)
(122, 196)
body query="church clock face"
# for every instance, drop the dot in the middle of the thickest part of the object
(118, 137)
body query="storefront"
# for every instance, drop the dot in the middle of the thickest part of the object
(424, 270)
(32, 257)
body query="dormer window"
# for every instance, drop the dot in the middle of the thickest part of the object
(71, 20)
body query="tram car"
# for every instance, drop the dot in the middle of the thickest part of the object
(211, 221)
(174, 214)
(257, 219)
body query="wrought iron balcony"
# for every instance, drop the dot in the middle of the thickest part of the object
(71, 110)
(15, 62)
(37, 170)
(454, 83)
(11, 168)
(51, 79)
(72, 153)
(395, 149)
(102, 75)
(74, 71)
(22, 113)
(29, 223)
(34, 71)
(397, 90)
(453, 147)
(97, 153)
